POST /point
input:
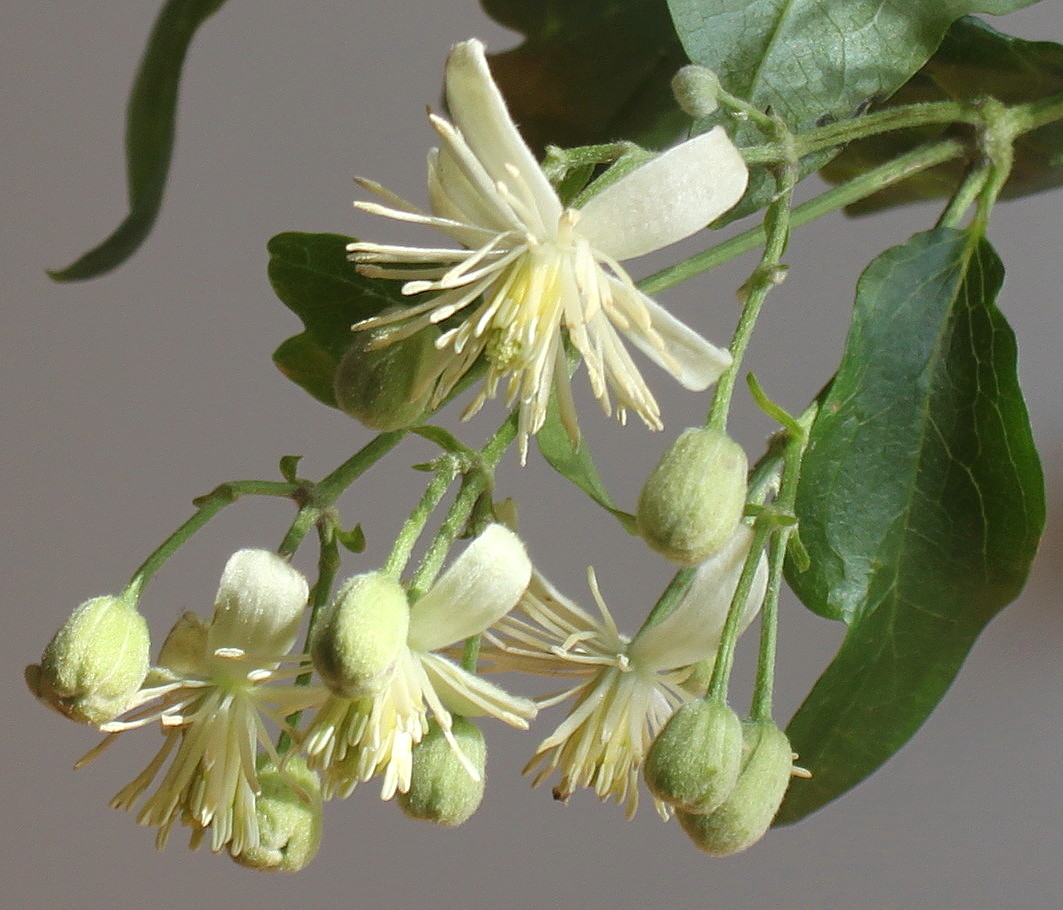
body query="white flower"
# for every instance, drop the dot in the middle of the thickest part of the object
(628, 688)
(531, 266)
(209, 693)
(353, 740)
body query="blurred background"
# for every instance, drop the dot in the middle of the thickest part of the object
(124, 397)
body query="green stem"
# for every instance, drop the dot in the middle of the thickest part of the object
(766, 276)
(763, 688)
(328, 565)
(322, 495)
(472, 485)
(206, 508)
(867, 184)
(411, 530)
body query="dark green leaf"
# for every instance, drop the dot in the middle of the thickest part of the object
(812, 61)
(589, 72)
(921, 503)
(973, 61)
(313, 278)
(577, 465)
(150, 118)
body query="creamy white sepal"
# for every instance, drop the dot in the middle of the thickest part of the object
(668, 198)
(478, 589)
(691, 632)
(260, 603)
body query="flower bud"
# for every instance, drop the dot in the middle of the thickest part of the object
(288, 812)
(744, 817)
(388, 385)
(441, 788)
(694, 762)
(96, 662)
(695, 89)
(693, 500)
(358, 640)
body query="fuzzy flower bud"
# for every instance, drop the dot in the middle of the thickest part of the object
(745, 816)
(95, 663)
(441, 788)
(288, 812)
(695, 89)
(358, 640)
(694, 498)
(695, 761)
(388, 385)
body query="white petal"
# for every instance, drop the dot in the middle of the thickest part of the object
(259, 605)
(666, 199)
(691, 632)
(473, 696)
(480, 587)
(479, 111)
(694, 362)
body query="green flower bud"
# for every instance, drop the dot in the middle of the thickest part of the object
(288, 811)
(96, 662)
(359, 638)
(695, 89)
(694, 762)
(693, 500)
(745, 816)
(441, 788)
(388, 385)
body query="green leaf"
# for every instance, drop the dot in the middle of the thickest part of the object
(353, 540)
(313, 278)
(812, 61)
(973, 61)
(577, 465)
(150, 122)
(921, 502)
(589, 72)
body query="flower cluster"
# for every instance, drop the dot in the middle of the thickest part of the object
(532, 266)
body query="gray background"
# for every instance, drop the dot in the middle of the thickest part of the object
(124, 397)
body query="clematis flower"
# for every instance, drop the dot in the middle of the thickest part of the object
(531, 267)
(354, 739)
(209, 694)
(627, 688)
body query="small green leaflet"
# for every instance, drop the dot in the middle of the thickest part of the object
(921, 503)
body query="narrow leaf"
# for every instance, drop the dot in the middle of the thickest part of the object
(921, 503)
(577, 465)
(150, 124)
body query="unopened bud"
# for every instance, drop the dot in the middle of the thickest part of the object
(387, 385)
(442, 789)
(745, 816)
(288, 812)
(95, 663)
(694, 762)
(695, 89)
(693, 500)
(358, 639)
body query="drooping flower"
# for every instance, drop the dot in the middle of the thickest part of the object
(530, 266)
(627, 688)
(352, 739)
(209, 694)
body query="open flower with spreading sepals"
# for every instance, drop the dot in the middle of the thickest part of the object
(353, 739)
(211, 693)
(626, 689)
(532, 267)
